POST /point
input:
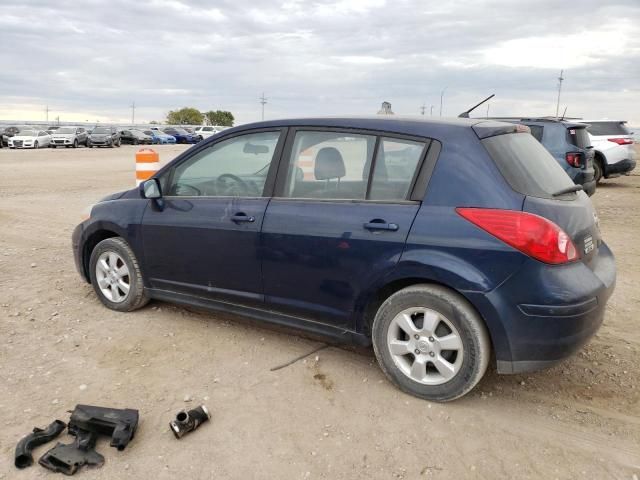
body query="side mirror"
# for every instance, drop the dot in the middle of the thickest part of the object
(151, 189)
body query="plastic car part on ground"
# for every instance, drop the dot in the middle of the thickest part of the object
(186, 422)
(86, 424)
(39, 436)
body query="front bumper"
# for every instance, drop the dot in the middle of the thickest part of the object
(78, 254)
(547, 312)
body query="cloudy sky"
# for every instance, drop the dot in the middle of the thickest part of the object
(90, 60)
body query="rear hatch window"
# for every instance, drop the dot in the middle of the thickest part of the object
(526, 165)
(579, 137)
(608, 128)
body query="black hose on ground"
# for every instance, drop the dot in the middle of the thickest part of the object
(24, 458)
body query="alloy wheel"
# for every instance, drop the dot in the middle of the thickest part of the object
(425, 346)
(113, 277)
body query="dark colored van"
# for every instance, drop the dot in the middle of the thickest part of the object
(444, 243)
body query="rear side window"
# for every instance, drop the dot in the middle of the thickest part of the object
(526, 165)
(395, 167)
(608, 128)
(578, 137)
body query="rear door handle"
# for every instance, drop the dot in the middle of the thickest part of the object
(242, 217)
(381, 225)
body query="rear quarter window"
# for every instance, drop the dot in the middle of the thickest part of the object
(526, 165)
(578, 137)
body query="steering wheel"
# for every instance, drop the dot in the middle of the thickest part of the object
(186, 190)
(223, 186)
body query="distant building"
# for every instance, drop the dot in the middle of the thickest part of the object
(385, 109)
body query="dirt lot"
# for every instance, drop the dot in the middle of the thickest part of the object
(332, 416)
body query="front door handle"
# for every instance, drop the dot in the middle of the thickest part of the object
(242, 217)
(378, 224)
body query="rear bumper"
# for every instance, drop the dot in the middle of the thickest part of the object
(548, 312)
(620, 168)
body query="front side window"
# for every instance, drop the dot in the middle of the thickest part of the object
(329, 165)
(236, 167)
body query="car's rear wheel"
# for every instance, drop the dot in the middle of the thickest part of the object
(430, 342)
(597, 170)
(116, 276)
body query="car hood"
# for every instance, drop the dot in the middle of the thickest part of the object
(62, 135)
(23, 137)
(113, 196)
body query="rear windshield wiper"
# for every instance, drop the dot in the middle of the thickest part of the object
(571, 189)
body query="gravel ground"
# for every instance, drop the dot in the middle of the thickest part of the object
(330, 416)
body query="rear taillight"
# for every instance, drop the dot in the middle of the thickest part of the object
(574, 159)
(621, 141)
(532, 235)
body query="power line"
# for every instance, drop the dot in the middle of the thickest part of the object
(263, 102)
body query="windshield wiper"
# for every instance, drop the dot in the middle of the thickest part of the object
(571, 189)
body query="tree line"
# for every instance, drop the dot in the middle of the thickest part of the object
(193, 116)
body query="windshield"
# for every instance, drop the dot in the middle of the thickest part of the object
(101, 130)
(181, 131)
(66, 130)
(149, 132)
(526, 165)
(27, 133)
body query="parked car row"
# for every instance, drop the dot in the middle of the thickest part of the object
(107, 136)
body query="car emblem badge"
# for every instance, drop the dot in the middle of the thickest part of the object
(588, 245)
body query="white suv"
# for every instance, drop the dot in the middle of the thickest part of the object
(613, 145)
(205, 132)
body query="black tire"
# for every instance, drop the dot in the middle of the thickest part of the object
(471, 328)
(111, 145)
(136, 297)
(35, 145)
(598, 173)
(75, 143)
(118, 143)
(135, 141)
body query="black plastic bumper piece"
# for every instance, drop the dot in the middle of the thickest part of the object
(24, 449)
(620, 168)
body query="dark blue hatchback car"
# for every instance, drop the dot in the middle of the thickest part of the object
(439, 242)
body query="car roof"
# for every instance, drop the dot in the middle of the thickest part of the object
(408, 125)
(546, 121)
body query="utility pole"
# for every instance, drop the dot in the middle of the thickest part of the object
(441, 98)
(133, 113)
(560, 80)
(431, 112)
(46, 111)
(263, 101)
(423, 108)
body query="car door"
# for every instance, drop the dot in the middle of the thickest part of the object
(203, 239)
(338, 221)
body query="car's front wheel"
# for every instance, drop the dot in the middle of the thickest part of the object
(430, 342)
(116, 276)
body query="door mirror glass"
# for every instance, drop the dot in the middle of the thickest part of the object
(151, 189)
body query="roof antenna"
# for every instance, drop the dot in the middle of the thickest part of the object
(466, 114)
(563, 113)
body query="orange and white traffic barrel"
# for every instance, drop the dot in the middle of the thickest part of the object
(147, 164)
(306, 164)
